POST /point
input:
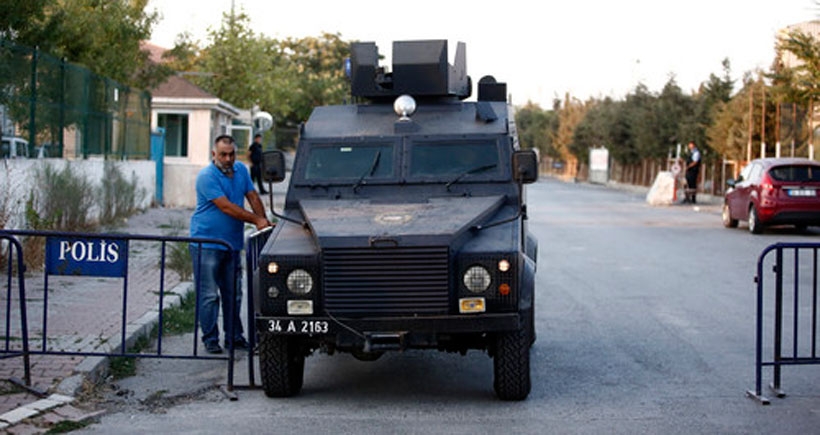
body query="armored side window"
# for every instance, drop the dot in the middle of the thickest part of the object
(349, 161)
(450, 158)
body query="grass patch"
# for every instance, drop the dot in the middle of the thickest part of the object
(120, 367)
(180, 319)
(175, 321)
(67, 426)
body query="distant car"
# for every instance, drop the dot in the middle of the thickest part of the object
(774, 191)
(13, 147)
(46, 150)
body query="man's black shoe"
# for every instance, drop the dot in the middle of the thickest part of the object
(240, 344)
(213, 347)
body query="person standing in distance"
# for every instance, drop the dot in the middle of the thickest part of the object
(221, 190)
(256, 162)
(692, 172)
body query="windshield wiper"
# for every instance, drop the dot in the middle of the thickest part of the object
(469, 172)
(369, 172)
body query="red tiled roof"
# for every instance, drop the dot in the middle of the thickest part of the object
(178, 87)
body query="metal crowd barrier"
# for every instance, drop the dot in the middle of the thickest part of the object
(14, 263)
(791, 313)
(66, 261)
(253, 252)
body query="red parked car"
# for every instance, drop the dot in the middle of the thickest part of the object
(774, 192)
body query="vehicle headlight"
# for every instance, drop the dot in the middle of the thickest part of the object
(477, 279)
(300, 282)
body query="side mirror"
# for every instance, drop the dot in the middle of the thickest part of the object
(525, 166)
(731, 182)
(273, 166)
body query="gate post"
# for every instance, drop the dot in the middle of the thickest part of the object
(158, 156)
(778, 321)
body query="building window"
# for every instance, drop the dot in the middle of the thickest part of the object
(176, 133)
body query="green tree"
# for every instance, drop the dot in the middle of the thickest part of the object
(236, 66)
(572, 113)
(712, 95)
(536, 128)
(103, 36)
(674, 115)
(729, 134)
(314, 74)
(800, 82)
(22, 20)
(286, 78)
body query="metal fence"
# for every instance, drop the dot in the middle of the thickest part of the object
(65, 110)
(90, 281)
(787, 312)
(15, 303)
(253, 254)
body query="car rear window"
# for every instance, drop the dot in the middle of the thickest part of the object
(795, 173)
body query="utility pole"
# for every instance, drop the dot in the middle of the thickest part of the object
(794, 126)
(777, 129)
(751, 125)
(763, 121)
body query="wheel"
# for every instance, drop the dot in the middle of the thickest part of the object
(728, 222)
(282, 365)
(755, 227)
(511, 364)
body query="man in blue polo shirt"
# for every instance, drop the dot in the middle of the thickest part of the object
(221, 190)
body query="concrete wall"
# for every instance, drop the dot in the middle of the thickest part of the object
(179, 184)
(18, 181)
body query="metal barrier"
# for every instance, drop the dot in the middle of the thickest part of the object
(72, 256)
(253, 251)
(794, 313)
(16, 250)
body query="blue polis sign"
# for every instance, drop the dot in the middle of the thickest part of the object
(87, 257)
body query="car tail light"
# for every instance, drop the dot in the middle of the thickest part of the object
(768, 194)
(766, 183)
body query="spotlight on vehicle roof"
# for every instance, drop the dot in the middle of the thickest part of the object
(404, 106)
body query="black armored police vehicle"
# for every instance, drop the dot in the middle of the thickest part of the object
(404, 225)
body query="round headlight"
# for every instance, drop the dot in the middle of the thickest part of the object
(477, 279)
(300, 282)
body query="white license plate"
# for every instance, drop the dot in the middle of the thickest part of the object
(802, 192)
(307, 327)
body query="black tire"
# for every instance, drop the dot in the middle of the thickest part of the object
(511, 364)
(755, 227)
(282, 365)
(726, 215)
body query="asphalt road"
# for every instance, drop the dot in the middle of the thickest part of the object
(645, 322)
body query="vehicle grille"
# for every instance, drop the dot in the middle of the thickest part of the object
(386, 281)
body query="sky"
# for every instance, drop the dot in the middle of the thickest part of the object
(542, 50)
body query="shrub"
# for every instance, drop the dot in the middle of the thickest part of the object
(61, 201)
(118, 196)
(177, 256)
